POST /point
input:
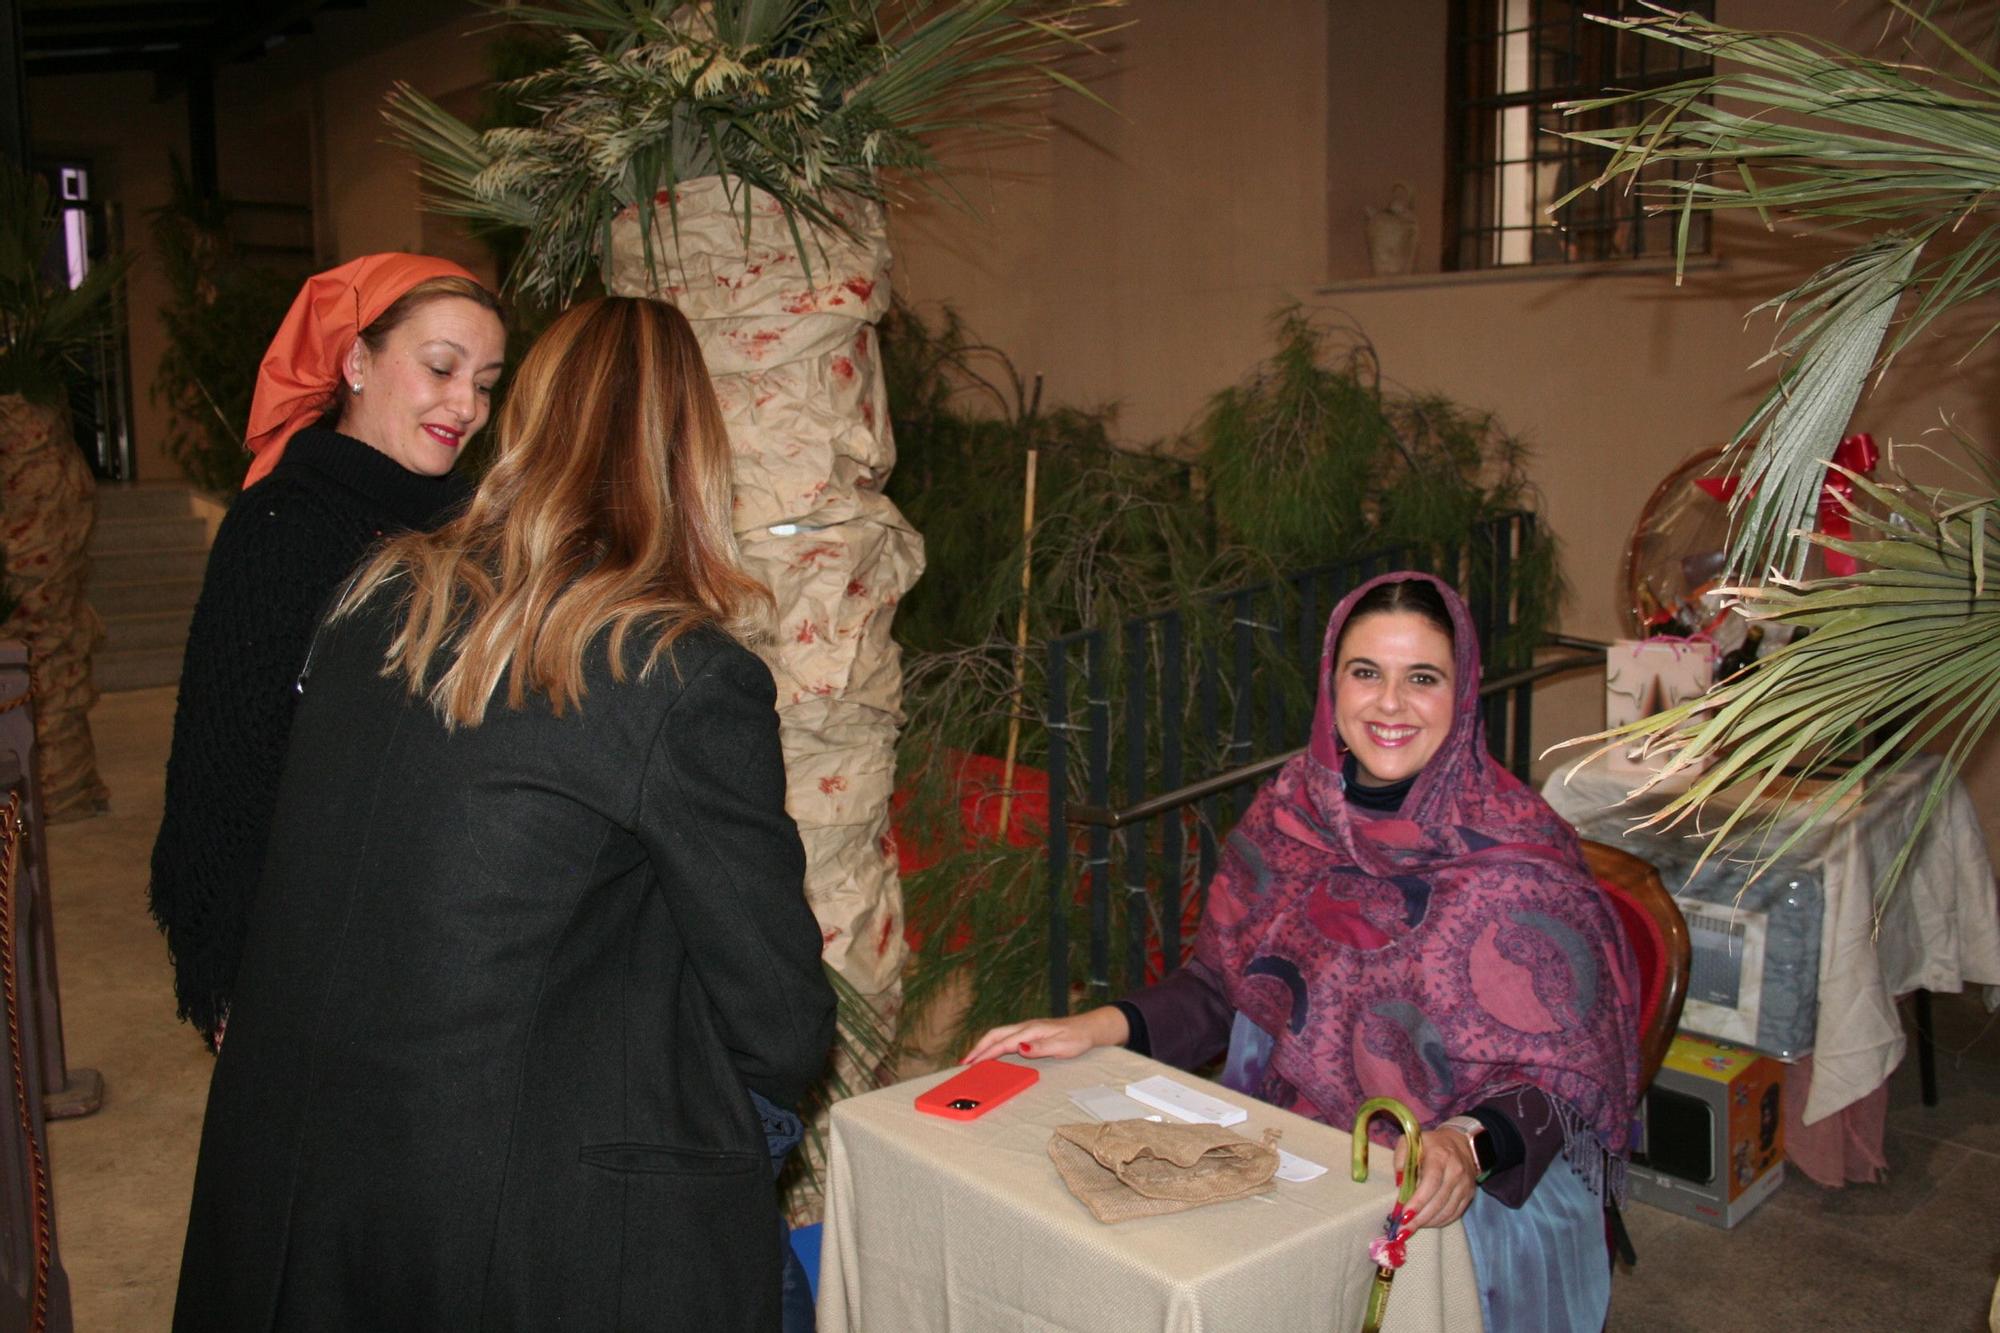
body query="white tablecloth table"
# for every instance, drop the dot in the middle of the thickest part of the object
(935, 1225)
(1939, 932)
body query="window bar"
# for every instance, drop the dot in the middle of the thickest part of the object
(1520, 531)
(1275, 738)
(1212, 759)
(1242, 627)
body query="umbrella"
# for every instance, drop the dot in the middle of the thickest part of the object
(1387, 1250)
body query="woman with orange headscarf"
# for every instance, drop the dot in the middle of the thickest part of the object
(381, 373)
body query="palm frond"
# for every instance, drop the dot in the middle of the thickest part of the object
(1901, 655)
(1799, 130)
(802, 101)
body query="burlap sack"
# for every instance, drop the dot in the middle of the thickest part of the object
(1142, 1168)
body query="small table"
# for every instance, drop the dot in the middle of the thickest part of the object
(935, 1224)
(1939, 932)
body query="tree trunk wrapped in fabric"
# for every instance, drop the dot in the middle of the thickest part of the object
(789, 337)
(47, 510)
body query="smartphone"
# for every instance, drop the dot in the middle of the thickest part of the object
(973, 1092)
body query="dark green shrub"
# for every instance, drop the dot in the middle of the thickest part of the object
(221, 314)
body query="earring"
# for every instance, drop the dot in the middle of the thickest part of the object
(357, 386)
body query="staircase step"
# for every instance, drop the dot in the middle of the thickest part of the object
(186, 562)
(162, 500)
(135, 668)
(142, 596)
(160, 629)
(112, 536)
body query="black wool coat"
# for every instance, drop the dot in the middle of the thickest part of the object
(504, 991)
(287, 545)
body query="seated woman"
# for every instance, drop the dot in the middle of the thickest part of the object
(1396, 915)
(531, 964)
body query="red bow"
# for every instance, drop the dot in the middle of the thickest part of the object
(1857, 453)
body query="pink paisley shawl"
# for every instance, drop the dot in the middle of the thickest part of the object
(1442, 955)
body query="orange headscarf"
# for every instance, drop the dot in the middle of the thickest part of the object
(295, 381)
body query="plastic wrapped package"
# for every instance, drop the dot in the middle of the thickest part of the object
(1755, 974)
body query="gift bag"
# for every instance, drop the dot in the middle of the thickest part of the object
(1647, 676)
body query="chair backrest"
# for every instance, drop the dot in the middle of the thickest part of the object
(1659, 936)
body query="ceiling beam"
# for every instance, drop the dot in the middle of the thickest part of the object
(88, 18)
(166, 38)
(251, 35)
(13, 88)
(128, 41)
(93, 62)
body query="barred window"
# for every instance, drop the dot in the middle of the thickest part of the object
(1511, 63)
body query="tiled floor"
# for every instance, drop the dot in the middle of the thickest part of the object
(121, 1176)
(1919, 1252)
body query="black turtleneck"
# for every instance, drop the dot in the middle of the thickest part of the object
(283, 550)
(380, 489)
(1385, 800)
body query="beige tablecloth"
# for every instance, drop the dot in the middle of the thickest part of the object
(935, 1225)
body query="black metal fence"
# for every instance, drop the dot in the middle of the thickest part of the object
(1182, 713)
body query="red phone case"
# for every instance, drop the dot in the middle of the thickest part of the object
(985, 1085)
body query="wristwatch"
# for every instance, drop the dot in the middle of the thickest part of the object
(1482, 1142)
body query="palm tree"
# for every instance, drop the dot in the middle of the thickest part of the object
(47, 329)
(1904, 652)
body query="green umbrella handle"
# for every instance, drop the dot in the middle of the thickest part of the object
(1413, 1133)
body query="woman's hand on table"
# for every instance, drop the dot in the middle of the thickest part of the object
(1448, 1181)
(1056, 1038)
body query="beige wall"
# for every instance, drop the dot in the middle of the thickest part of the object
(1137, 256)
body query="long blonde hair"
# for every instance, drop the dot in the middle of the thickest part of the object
(608, 507)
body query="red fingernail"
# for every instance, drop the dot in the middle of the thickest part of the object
(1025, 1048)
(1399, 1177)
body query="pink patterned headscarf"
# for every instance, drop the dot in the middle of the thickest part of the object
(1442, 955)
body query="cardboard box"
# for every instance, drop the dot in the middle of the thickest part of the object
(1712, 1143)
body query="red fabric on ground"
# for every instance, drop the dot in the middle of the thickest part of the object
(1845, 1146)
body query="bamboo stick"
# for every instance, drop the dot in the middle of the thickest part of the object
(1021, 622)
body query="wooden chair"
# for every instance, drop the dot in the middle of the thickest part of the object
(1659, 938)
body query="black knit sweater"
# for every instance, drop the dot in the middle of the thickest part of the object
(283, 551)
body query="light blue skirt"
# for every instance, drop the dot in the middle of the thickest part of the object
(1544, 1265)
